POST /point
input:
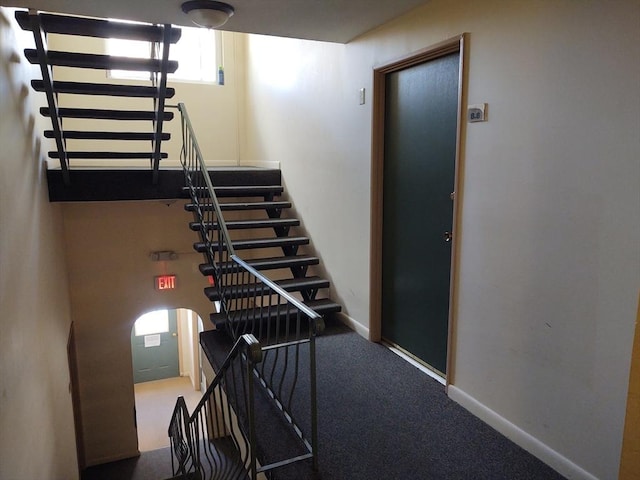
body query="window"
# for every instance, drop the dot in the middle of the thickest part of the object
(152, 322)
(198, 52)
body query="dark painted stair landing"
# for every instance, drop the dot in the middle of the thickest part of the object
(126, 184)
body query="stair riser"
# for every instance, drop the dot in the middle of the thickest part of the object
(251, 245)
(304, 285)
(78, 88)
(90, 27)
(246, 225)
(265, 316)
(260, 265)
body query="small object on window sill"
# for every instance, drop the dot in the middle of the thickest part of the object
(220, 76)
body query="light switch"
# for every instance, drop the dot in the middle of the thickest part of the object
(362, 96)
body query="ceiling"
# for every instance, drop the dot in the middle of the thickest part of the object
(328, 20)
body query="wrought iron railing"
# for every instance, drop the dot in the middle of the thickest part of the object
(250, 303)
(213, 441)
(287, 330)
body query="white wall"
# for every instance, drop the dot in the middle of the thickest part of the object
(189, 346)
(37, 438)
(549, 229)
(111, 278)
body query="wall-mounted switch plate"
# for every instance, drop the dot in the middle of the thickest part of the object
(362, 96)
(477, 113)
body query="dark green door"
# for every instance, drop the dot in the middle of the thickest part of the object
(421, 109)
(155, 350)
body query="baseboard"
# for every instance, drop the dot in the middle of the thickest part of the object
(353, 325)
(112, 458)
(166, 164)
(521, 438)
(264, 164)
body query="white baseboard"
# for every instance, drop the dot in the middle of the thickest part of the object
(265, 164)
(521, 438)
(353, 325)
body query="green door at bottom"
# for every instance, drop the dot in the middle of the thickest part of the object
(155, 355)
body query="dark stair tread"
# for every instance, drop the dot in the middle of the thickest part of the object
(100, 62)
(323, 306)
(90, 27)
(84, 88)
(105, 155)
(85, 135)
(289, 284)
(106, 114)
(237, 206)
(249, 224)
(243, 190)
(250, 243)
(266, 263)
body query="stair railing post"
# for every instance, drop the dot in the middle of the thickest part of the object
(252, 423)
(162, 88)
(313, 394)
(253, 357)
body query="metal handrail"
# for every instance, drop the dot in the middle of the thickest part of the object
(226, 242)
(193, 436)
(313, 315)
(187, 128)
(246, 308)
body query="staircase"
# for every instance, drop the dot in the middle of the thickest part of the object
(281, 314)
(263, 232)
(148, 140)
(258, 415)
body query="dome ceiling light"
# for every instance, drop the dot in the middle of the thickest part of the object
(208, 13)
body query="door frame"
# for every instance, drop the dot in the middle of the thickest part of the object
(74, 389)
(452, 45)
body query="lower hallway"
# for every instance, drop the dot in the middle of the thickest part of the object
(154, 405)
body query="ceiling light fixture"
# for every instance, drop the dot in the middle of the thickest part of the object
(207, 13)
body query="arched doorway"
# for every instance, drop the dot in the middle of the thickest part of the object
(166, 364)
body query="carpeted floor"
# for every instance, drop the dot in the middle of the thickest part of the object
(153, 465)
(381, 418)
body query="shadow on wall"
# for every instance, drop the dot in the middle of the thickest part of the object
(16, 70)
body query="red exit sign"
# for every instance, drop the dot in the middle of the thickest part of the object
(165, 282)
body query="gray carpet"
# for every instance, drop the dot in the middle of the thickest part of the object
(153, 465)
(381, 418)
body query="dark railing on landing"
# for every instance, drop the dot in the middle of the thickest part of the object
(210, 442)
(252, 304)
